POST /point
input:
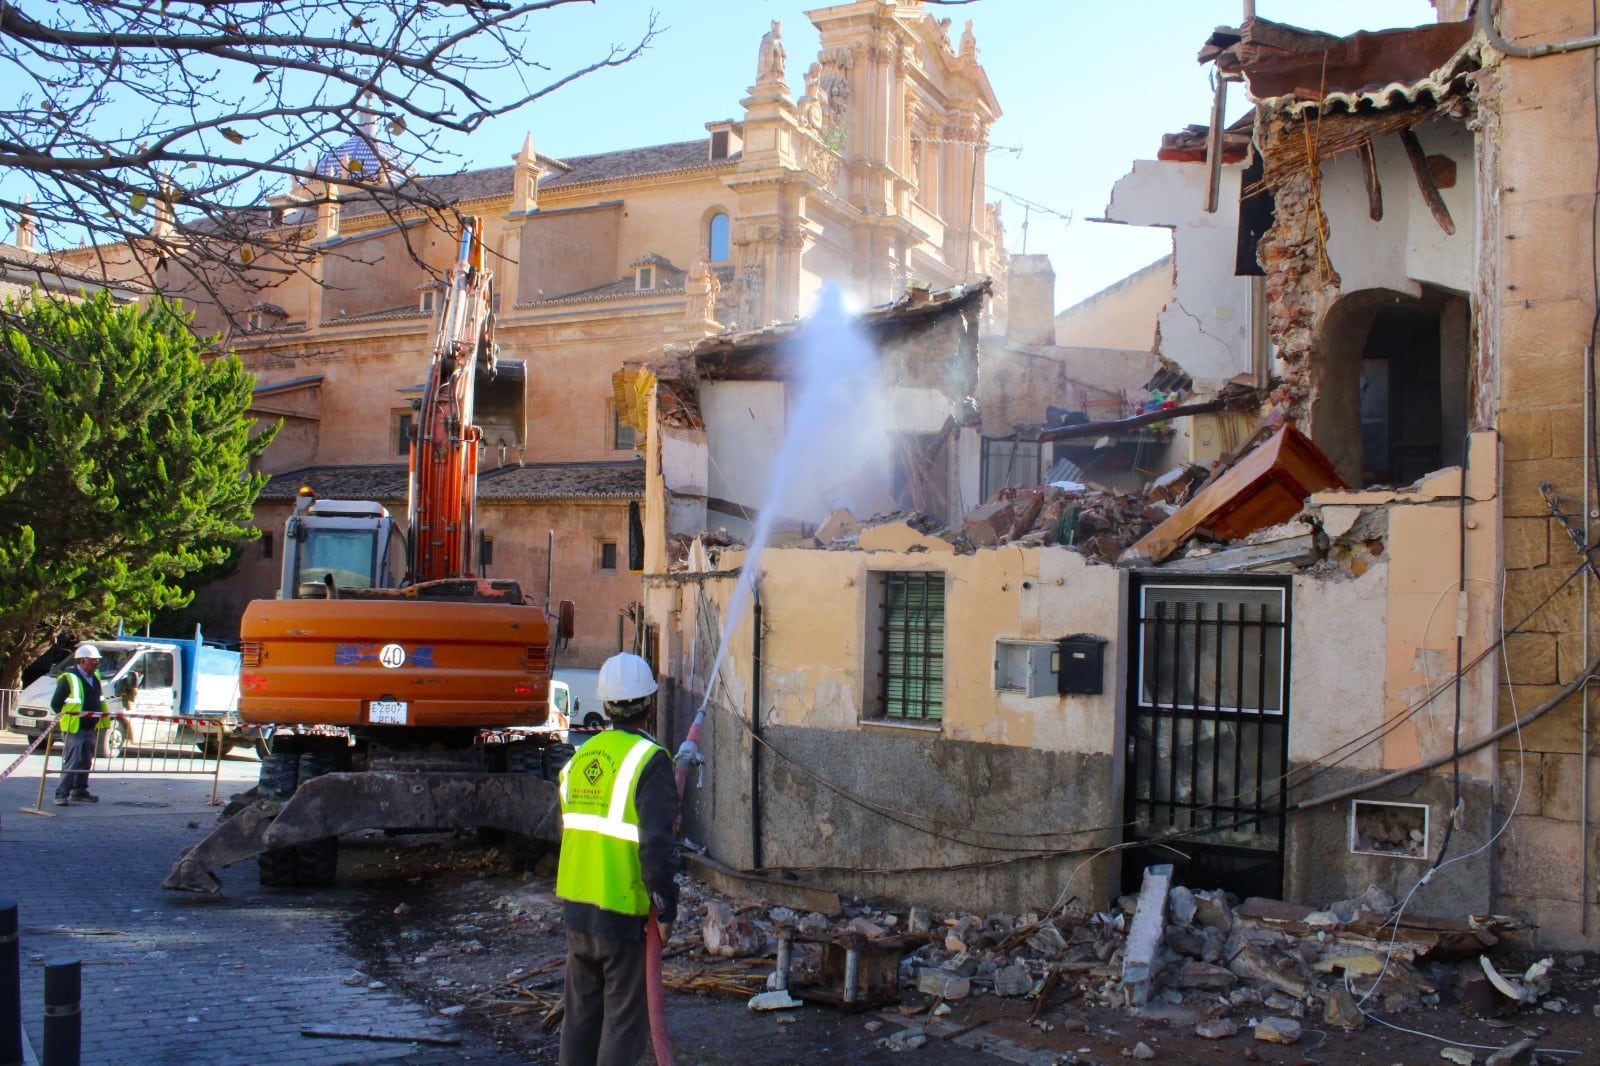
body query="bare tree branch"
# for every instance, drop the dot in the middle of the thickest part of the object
(188, 145)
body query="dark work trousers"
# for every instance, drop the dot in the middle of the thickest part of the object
(77, 755)
(607, 1019)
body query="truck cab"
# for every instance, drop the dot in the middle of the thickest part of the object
(338, 544)
(156, 687)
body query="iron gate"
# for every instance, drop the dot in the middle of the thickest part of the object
(1208, 716)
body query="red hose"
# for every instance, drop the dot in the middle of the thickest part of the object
(655, 994)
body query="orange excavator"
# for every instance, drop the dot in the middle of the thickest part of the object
(401, 696)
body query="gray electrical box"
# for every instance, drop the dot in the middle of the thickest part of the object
(1026, 666)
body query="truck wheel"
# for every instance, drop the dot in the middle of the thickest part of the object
(522, 852)
(115, 740)
(279, 775)
(316, 863)
(555, 756)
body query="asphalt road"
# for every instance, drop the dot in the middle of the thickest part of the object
(170, 977)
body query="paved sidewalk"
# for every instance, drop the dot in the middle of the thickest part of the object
(185, 978)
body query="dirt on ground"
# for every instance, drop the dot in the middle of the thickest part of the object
(450, 926)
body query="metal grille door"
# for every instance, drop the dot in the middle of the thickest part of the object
(1208, 730)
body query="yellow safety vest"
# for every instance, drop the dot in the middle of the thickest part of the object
(600, 824)
(72, 707)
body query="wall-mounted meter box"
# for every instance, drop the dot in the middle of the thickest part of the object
(1082, 665)
(1026, 666)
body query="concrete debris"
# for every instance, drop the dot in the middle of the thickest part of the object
(905, 1040)
(943, 984)
(728, 935)
(1217, 1029)
(1142, 1051)
(1144, 939)
(1519, 1054)
(1013, 980)
(1277, 1030)
(779, 1000)
(1459, 1055)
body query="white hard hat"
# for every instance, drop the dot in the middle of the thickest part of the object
(86, 651)
(624, 677)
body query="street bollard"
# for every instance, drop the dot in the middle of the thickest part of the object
(63, 1024)
(10, 987)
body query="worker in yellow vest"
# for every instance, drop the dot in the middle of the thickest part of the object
(79, 702)
(618, 857)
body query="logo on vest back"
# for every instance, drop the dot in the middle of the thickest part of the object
(593, 771)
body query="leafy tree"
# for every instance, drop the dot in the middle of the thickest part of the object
(125, 456)
(167, 135)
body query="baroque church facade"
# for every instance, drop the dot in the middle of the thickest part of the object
(870, 177)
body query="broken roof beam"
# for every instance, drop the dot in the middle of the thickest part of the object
(1099, 429)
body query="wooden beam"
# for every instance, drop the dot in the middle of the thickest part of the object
(1430, 191)
(1097, 429)
(1369, 177)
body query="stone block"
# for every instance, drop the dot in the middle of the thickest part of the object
(1521, 781)
(942, 984)
(1530, 143)
(1557, 730)
(1551, 235)
(1529, 327)
(1561, 781)
(1571, 657)
(1566, 433)
(1545, 598)
(1526, 542)
(1526, 434)
(1532, 657)
(1522, 481)
(1540, 857)
(1531, 378)
(1539, 22)
(1557, 923)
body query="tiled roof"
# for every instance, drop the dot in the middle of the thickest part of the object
(577, 170)
(564, 481)
(383, 482)
(23, 267)
(387, 482)
(288, 385)
(1292, 69)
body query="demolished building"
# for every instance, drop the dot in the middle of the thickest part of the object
(963, 705)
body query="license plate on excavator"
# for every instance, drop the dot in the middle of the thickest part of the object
(387, 712)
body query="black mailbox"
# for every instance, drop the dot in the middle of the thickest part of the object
(1083, 665)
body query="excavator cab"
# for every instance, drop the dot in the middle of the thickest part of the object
(334, 545)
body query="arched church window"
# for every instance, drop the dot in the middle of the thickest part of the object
(717, 237)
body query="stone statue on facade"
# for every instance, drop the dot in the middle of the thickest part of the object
(769, 66)
(703, 287)
(812, 104)
(969, 43)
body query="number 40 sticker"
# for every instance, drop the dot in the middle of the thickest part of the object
(392, 656)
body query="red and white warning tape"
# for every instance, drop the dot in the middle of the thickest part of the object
(20, 759)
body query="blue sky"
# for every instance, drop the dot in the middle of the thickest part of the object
(1086, 88)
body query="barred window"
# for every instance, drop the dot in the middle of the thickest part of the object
(911, 641)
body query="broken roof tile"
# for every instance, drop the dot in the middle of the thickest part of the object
(1292, 69)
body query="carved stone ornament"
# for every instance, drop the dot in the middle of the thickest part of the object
(812, 105)
(822, 161)
(750, 284)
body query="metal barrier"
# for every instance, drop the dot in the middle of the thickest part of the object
(146, 744)
(8, 705)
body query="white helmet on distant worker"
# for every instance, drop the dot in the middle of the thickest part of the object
(623, 678)
(86, 651)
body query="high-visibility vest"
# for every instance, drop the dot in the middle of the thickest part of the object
(72, 706)
(600, 824)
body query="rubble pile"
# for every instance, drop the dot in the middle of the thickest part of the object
(1262, 969)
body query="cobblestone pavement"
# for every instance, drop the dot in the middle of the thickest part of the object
(180, 978)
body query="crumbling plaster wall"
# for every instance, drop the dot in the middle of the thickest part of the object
(1205, 325)
(1001, 763)
(1323, 243)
